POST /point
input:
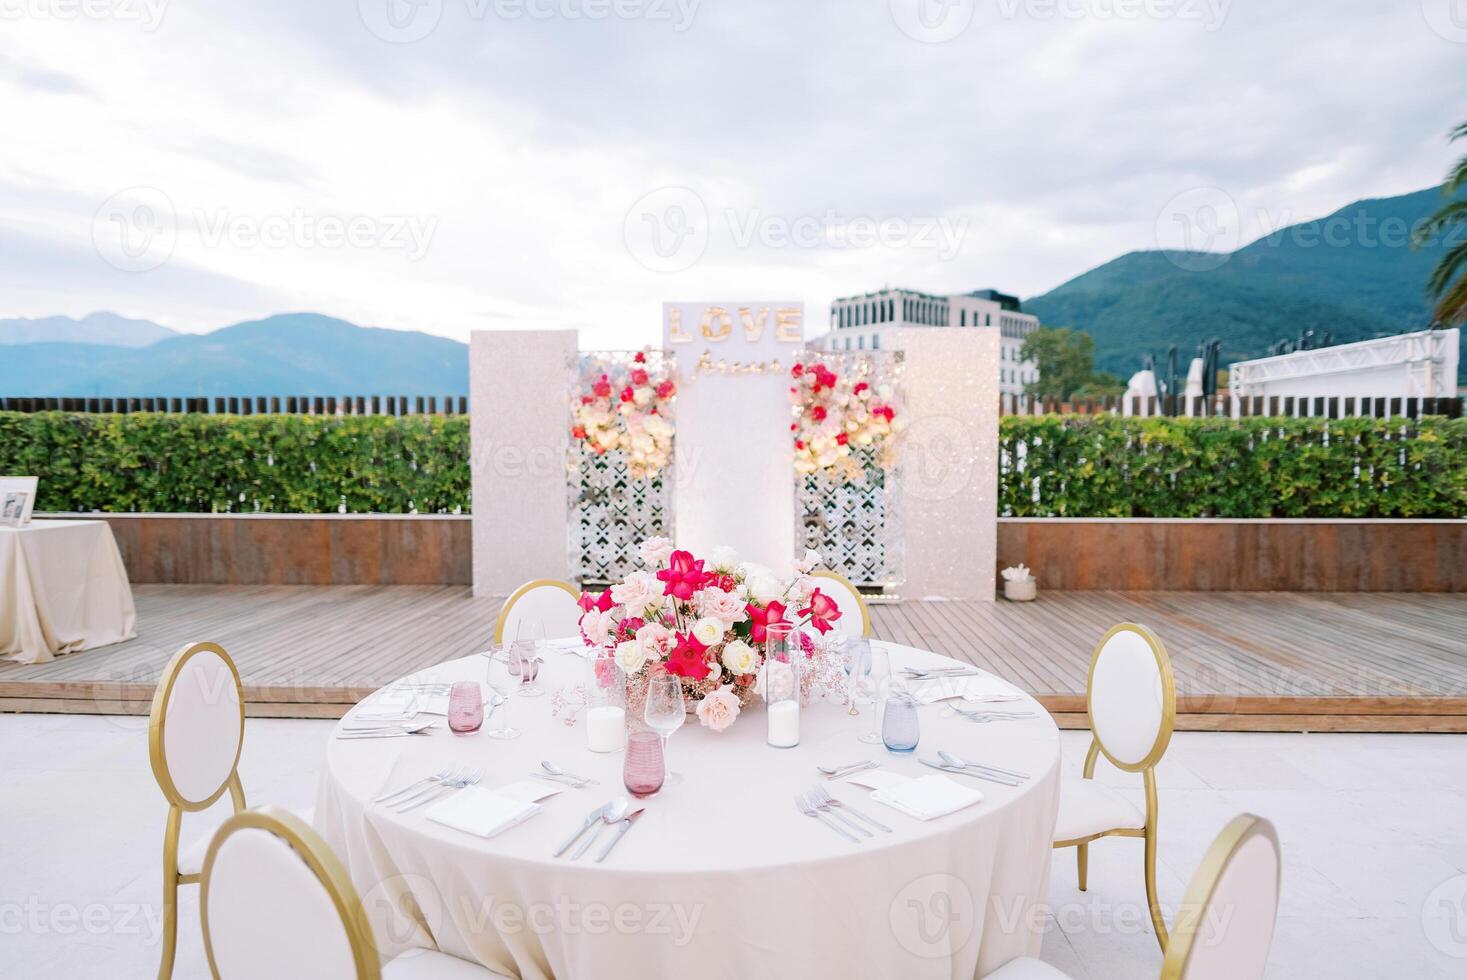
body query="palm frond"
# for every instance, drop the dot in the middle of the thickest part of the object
(1450, 267)
(1452, 310)
(1445, 215)
(1458, 132)
(1456, 178)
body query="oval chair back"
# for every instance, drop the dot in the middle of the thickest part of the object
(1225, 925)
(196, 726)
(551, 601)
(276, 903)
(852, 604)
(1131, 697)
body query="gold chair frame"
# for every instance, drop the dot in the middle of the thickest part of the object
(865, 609)
(1147, 768)
(519, 594)
(177, 804)
(1193, 913)
(322, 861)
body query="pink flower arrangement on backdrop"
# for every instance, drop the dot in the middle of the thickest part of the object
(707, 620)
(628, 408)
(836, 414)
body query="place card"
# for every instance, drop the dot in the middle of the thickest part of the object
(928, 797)
(877, 779)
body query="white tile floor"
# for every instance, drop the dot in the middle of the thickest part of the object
(1374, 830)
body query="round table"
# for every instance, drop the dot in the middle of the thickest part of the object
(721, 876)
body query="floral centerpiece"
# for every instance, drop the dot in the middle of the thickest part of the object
(629, 409)
(836, 413)
(709, 621)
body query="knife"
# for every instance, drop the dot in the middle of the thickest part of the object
(591, 818)
(969, 772)
(621, 828)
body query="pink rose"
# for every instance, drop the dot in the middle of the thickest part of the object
(656, 641)
(719, 708)
(637, 592)
(725, 607)
(596, 626)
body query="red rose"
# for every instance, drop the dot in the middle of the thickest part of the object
(762, 620)
(822, 611)
(683, 575)
(842, 439)
(797, 370)
(800, 444)
(688, 658)
(602, 388)
(860, 387)
(666, 389)
(626, 394)
(818, 413)
(639, 377)
(578, 432)
(640, 357)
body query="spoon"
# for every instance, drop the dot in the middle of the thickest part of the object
(612, 813)
(959, 763)
(847, 770)
(555, 770)
(920, 672)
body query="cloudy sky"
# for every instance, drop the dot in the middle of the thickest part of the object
(448, 165)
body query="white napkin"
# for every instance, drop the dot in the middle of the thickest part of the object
(400, 706)
(928, 797)
(481, 812)
(529, 790)
(877, 779)
(978, 687)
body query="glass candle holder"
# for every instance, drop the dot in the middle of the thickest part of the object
(644, 771)
(465, 708)
(782, 661)
(606, 697)
(900, 730)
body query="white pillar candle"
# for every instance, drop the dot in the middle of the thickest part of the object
(606, 729)
(784, 724)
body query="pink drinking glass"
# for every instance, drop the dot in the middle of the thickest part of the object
(643, 772)
(465, 708)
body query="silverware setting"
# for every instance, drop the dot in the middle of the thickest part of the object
(821, 798)
(953, 759)
(924, 672)
(387, 731)
(620, 832)
(591, 818)
(562, 780)
(810, 810)
(975, 773)
(442, 788)
(987, 716)
(613, 811)
(438, 776)
(841, 772)
(553, 770)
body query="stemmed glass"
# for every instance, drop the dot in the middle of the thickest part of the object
(527, 654)
(876, 679)
(665, 712)
(855, 655)
(502, 680)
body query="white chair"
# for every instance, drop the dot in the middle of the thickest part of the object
(1132, 702)
(195, 735)
(1225, 926)
(852, 604)
(277, 903)
(552, 602)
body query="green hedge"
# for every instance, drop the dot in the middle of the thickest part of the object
(300, 464)
(1109, 466)
(1051, 466)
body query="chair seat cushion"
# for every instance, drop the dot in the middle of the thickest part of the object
(191, 856)
(429, 964)
(1087, 808)
(1026, 969)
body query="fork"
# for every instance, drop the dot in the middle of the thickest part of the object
(448, 785)
(809, 811)
(418, 784)
(824, 807)
(819, 795)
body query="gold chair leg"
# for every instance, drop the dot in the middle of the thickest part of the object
(1082, 860)
(1158, 922)
(170, 893)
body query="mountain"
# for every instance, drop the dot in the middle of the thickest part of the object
(1352, 274)
(287, 354)
(94, 328)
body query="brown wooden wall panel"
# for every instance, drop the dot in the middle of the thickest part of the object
(209, 549)
(1245, 555)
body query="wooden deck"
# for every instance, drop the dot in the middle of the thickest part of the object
(1244, 660)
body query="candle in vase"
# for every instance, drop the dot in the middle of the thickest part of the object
(606, 728)
(784, 724)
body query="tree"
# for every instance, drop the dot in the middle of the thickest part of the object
(1066, 361)
(1448, 282)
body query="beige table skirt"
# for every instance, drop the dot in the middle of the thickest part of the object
(63, 588)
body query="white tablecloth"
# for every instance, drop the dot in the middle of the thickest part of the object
(63, 588)
(721, 877)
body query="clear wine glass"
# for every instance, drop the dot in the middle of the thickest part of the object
(873, 686)
(502, 682)
(527, 654)
(665, 712)
(855, 654)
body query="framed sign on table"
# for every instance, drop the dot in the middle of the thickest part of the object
(17, 499)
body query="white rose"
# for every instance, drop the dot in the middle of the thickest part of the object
(724, 558)
(597, 626)
(642, 396)
(707, 631)
(809, 563)
(740, 658)
(655, 551)
(630, 656)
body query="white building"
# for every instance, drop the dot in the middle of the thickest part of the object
(1410, 365)
(857, 323)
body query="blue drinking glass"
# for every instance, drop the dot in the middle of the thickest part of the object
(899, 728)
